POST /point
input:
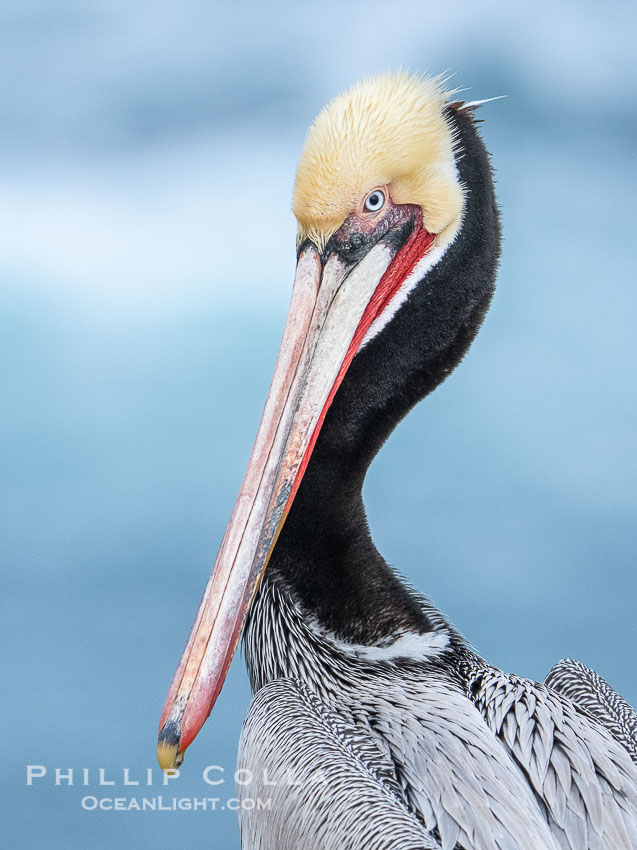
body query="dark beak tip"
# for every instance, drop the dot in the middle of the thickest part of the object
(169, 753)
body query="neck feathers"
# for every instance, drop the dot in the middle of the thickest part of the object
(282, 640)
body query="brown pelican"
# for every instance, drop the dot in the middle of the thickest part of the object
(359, 680)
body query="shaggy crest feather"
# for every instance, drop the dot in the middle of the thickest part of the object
(390, 129)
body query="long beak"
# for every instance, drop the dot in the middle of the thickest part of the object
(332, 308)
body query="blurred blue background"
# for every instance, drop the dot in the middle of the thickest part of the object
(146, 255)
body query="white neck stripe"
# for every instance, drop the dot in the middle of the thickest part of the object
(424, 264)
(416, 647)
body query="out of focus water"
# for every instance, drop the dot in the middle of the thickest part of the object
(146, 254)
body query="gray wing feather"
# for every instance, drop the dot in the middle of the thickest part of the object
(335, 788)
(583, 777)
(455, 771)
(590, 692)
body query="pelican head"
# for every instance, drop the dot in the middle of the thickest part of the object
(389, 133)
(378, 199)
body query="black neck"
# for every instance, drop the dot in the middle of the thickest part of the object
(325, 555)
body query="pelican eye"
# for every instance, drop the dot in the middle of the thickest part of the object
(375, 201)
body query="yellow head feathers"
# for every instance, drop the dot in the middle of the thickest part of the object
(385, 130)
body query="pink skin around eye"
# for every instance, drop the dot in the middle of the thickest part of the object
(364, 224)
(368, 219)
